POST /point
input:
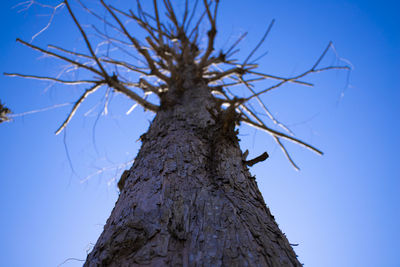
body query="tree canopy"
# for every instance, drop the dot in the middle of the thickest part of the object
(172, 46)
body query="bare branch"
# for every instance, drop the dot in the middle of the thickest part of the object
(143, 23)
(185, 14)
(77, 104)
(241, 37)
(145, 85)
(90, 11)
(275, 137)
(166, 51)
(220, 75)
(260, 43)
(125, 65)
(186, 28)
(211, 33)
(89, 46)
(293, 79)
(279, 78)
(266, 110)
(159, 30)
(259, 57)
(171, 13)
(322, 56)
(279, 134)
(44, 78)
(286, 153)
(332, 68)
(69, 52)
(240, 83)
(107, 60)
(108, 168)
(138, 47)
(119, 87)
(196, 27)
(60, 57)
(49, 22)
(256, 160)
(39, 110)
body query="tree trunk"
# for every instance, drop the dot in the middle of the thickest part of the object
(189, 199)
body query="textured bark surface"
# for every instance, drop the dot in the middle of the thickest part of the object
(188, 199)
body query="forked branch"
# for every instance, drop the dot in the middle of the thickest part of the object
(168, 51)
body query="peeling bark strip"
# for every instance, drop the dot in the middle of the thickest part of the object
(189, 199)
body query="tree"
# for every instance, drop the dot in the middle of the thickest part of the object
(4, 113)
(189, 198)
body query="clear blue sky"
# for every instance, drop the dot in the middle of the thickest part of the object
(342, 209)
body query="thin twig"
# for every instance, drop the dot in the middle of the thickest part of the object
(286, 153)
(44, 78)
(89, 46)
(77, 104)
(241, 37)
(282, 135)
(59, 56)
(260, 42)
(49, 22)
(263, 106)
(138, 47)
(211, 34)
(39, 110)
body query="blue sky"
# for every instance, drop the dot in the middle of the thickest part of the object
(342, 208)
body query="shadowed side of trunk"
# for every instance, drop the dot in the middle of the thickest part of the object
(189, 200)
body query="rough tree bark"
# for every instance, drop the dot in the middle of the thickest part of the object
(189, 199)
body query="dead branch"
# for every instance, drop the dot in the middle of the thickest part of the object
(286, 153)
(259, 43)
(44, 78)
(77, 104)
(279, 78)
(126, 65)
(191, 16)
(39, 110)
(159, 29)
(119, 87)
(279, 134)
(137, 45)
(241, 37)
(69, 52)
(211, 33)
(149, 87)
(75, 63)
(90, 11)
(240, 83)
(170, 47)
(306, 73)
(264, 107)
(259, 124)
(256, 160)
(89, 46)
(50, 20)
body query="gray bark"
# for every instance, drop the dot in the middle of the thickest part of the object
(189, 199)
